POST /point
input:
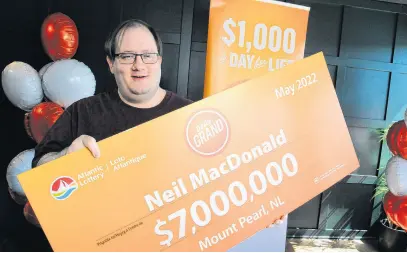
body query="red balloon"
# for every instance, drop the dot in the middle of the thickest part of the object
(30, 215)
(397, 139)
(401, 141)
(396, 209)
(390, 136)
(27, 125)
(60, 37)
(41, 119)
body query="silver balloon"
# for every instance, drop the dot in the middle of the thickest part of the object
(1, 94)
(44, 69)
(19, 164)
(405, 117)
(22, 85)
(396, 175)
(67, 81)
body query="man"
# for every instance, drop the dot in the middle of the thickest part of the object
(134, 55)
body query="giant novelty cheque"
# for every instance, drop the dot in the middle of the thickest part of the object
(220, 171)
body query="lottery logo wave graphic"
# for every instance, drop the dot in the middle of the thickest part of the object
(63, 187)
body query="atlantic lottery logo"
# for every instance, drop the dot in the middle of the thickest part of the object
(63, 187)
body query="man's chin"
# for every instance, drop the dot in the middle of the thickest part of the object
(140, 92)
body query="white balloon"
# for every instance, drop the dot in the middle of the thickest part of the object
(1, 94)
(405, 117)
(19, 164)
(67, 81)
(396, 175)
(22, 85)
(44, 69)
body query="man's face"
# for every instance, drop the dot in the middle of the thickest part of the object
(140, 80)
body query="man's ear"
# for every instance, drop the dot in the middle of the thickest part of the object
(110, 64)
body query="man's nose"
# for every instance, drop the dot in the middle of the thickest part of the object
(138, 62)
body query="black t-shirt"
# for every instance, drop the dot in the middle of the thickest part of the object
(101, 116)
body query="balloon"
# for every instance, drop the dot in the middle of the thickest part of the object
(27, 125)
(405, 117)
(30, 215)
(41, 119)
(41, 73)
(395, 208)
(19, 164)
(397, 139)
(44, 69)
(67, 81)
(59, 36)
(396, 175)
(1, 94)
(19, 199)
(389, 201)
(22, 85)
(391, 136)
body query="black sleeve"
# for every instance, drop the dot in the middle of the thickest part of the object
(58, 137)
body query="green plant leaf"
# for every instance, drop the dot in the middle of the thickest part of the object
(381, 186)
(382, 132)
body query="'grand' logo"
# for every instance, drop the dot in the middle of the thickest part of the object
(207, 132)
(63, 187)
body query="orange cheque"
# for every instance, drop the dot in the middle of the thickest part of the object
(204, 177)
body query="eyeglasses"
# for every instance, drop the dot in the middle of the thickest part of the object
(130, 58)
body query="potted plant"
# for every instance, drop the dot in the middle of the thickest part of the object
(391, 238)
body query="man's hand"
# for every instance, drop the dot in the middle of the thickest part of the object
(84, 141)
(278, 221)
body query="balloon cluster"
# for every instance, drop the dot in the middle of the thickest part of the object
(395, 200)
(45, 94)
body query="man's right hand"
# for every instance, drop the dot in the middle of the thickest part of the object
(85, 141)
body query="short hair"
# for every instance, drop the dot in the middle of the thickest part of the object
(113, 41)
